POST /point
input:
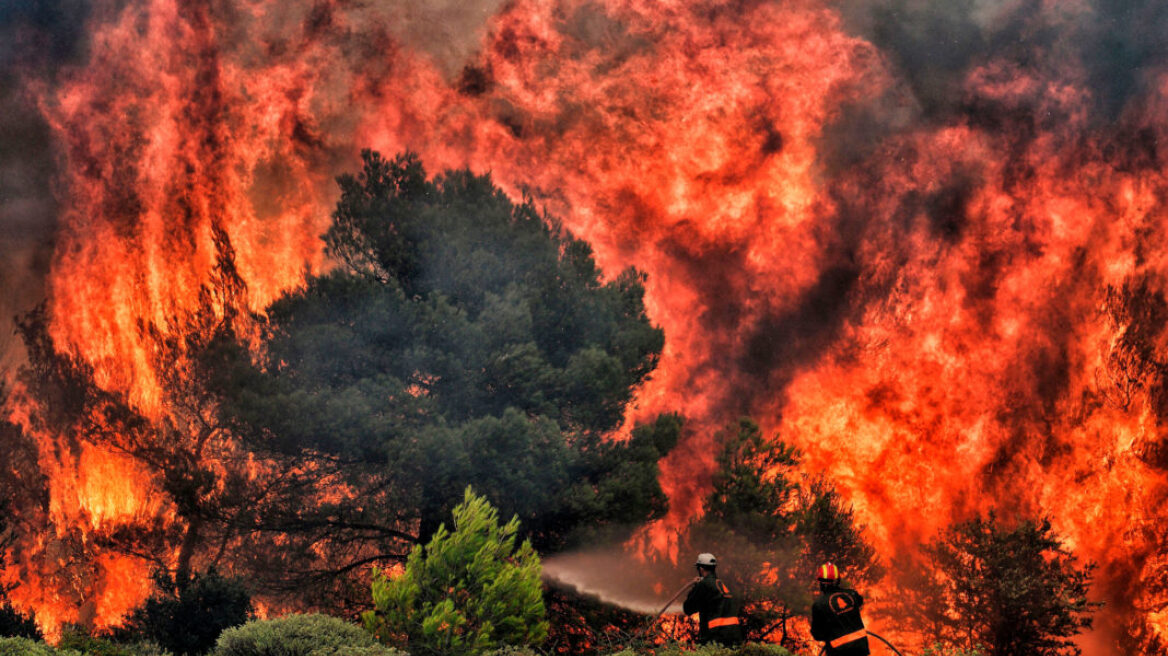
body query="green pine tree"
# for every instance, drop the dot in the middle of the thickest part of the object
(465, 592)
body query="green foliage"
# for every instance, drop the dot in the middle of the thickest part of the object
(771, 527)
(466, 592)
(299, 635)
(761, 649)
(29, 647)
(145, 648)
(511, 650)
(1013, 590)
(465, 343)
(186, 617)
(78, 640)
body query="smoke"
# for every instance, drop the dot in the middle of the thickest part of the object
(36, 39)
(42, 38)
(450, 31)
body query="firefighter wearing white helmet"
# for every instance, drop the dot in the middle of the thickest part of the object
(716, 608)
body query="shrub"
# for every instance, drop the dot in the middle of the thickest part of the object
(188, 616)
(761, 649)
(76, 639)
(374, 650)
(299, 635)
(27, 647)
(511, 650)
(467, 592)
(146, 648)
(687, 649)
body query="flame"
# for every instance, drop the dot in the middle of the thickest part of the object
(924, 316)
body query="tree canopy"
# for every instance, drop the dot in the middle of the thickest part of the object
(462, 340)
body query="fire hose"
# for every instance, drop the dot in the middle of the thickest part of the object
(881, 639)
(664, 608)
(874, 635)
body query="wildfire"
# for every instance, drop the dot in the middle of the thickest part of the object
(933, 311)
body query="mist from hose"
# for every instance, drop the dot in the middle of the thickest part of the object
(613, 576)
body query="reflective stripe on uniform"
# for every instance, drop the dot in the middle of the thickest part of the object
(851, 637)
(723, 621)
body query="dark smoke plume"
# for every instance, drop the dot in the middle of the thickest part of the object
(36, 39)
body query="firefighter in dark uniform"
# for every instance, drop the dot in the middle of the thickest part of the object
(717, 610)
(835, 616)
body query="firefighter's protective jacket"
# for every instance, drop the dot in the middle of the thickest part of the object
(717, 611)
(835, 619)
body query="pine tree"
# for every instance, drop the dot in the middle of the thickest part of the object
(1012, 590)
(465, 592)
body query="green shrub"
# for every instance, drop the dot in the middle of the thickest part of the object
(687, 649)
(762, 649)
(186, 617)
(145, 648)
(27, 647)
(374, 650)
(466, 592)
(299, 635)
(511, 650)
(76, 639)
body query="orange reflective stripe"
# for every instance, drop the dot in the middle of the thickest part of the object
(723, 621)
(851, 637)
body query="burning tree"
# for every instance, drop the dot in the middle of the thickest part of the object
(1010, 590)
(462, 341)
(21, 482)
(172, 488)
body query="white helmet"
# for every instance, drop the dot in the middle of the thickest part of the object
(707, 560)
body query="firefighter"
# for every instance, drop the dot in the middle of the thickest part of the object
(835, 616)
(717, 609)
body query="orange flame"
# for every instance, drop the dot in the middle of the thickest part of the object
(925, 321)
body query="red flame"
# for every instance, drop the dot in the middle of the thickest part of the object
(927, 320)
